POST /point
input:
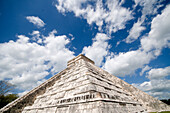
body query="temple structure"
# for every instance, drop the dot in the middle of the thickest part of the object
(84, 88)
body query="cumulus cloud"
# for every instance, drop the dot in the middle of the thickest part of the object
(144, 69)
(159, 73)
(135, 32)
(36, 37)
(113, 15)
(26, 63)
(149, 7)
(145, 86)
(158, 86)
(159, 36)
(36, 21)
(157, 39)
(126, 63)
(151, 46)
(99, 48)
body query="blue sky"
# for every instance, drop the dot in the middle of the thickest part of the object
(130, 39)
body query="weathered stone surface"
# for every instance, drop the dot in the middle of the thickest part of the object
(84, 88)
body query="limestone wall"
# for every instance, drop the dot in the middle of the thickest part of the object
(18, 105)
(151, 103)
(80, 90)
(84, 88)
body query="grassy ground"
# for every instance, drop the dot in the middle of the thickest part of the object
(165, 112)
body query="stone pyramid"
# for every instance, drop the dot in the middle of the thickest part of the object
(84, 88)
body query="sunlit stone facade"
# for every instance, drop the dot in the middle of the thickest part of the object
(85, 88)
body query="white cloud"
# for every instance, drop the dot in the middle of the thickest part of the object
(58, 54)
(26, 63)
(160, 33)
(23, 93)
(146, 68)
(160, 95)
(145, 86)
(115, 16)
(151, 46)
(158, 86)
(22, 39)
(36, 36)
(99, 48)
(159, 73)
(149, 7)
(36, 21)
(126, 63)
(135, 32)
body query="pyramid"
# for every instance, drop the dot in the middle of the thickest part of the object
(84, 88)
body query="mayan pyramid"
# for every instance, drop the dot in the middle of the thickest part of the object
(84, 88)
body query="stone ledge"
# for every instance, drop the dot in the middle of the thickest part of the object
(79, 57)
(81, 101)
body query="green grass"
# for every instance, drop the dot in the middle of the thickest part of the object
(165, 112)
(161, 112)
